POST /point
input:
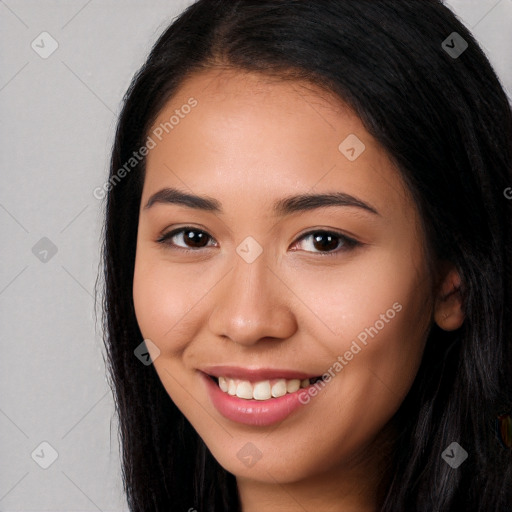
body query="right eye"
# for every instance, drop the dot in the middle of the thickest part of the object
(190, 238)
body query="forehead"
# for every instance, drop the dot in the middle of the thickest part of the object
(257, 137)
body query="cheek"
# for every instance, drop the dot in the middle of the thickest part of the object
(156, 297)
(372, 290)
(375, 314)
(167, 299)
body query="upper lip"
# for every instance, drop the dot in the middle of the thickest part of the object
(255, 374)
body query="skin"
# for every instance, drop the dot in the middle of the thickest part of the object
(250, 141)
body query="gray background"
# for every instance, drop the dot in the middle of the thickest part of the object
(58, 117)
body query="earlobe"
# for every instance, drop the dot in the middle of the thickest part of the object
(448, 308)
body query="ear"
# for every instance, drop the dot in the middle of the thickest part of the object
(448, 307)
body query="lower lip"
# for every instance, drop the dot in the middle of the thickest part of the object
(253, 412)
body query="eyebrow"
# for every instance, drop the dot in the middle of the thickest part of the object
(282, 207)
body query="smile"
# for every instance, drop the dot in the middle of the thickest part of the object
(262, 390)
(256, 397)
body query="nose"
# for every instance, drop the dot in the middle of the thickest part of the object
(251, 304)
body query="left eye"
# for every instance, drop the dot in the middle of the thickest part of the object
(319, 241)
(327, 242)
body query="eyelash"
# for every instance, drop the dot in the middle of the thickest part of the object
(348, 243)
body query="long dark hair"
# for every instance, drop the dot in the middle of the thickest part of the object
(446, 122)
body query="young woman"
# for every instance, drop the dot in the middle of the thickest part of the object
(308, 234)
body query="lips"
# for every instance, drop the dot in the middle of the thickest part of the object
(255, 374)
(256, 396)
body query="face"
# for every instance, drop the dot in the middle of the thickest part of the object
(249, 296)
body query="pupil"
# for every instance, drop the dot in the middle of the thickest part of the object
(195, 237)
(325, 246)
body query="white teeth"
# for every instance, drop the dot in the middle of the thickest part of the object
(279, 388)
(292, 385)
(223, 384)
(262, 390)
(231, 387)
(244, 390)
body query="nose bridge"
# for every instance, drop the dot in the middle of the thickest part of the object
(251, 303)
